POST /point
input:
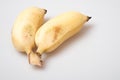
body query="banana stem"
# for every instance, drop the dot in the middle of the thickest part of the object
(35, 59)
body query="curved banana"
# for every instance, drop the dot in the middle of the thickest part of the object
(24, 30)
(54, 32)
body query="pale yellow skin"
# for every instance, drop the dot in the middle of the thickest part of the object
(25, 27)
(54, 32)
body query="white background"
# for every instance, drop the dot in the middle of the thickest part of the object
(92, 54)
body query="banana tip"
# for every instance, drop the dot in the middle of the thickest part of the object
(45, 11)
(88, 18)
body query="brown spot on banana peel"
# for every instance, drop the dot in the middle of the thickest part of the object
(56, 31)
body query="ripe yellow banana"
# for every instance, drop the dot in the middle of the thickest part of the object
(54, 32)
(24, 30)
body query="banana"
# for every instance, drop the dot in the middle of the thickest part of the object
(24, 29)
(57, 30)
